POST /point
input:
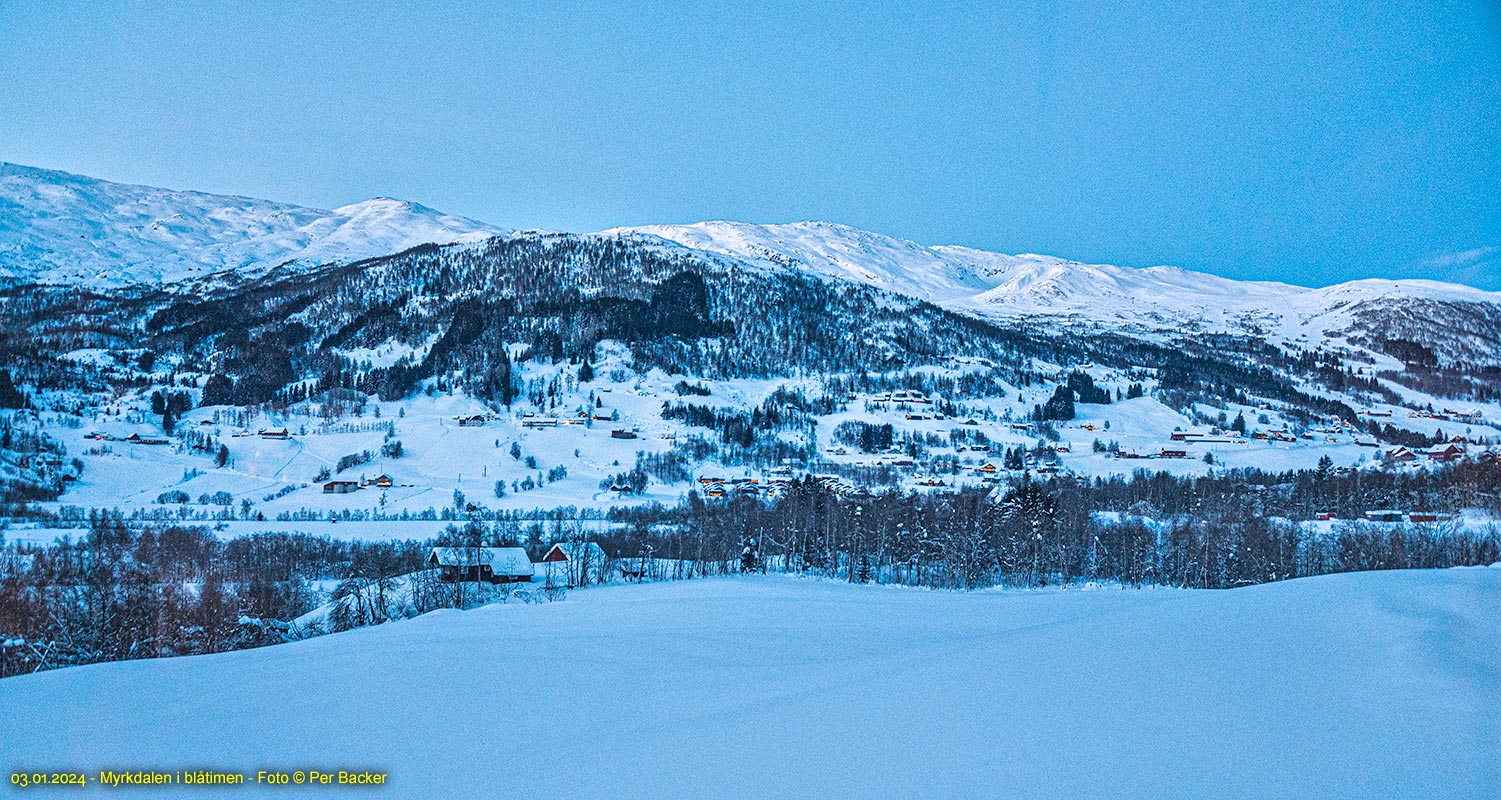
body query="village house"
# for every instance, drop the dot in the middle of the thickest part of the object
(1400, 454)
(1445, 453)
(575, 564)
(136, 438)
(277, 433)
(490, 564)
(340, 487)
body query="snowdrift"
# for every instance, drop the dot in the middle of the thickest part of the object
(1361, 685)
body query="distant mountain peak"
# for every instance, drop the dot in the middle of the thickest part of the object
(57, 227)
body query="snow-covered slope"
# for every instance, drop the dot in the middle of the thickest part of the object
(1377, 684)
(1007, 286)
(61, 228)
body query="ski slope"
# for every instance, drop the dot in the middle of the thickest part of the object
(1372, 685)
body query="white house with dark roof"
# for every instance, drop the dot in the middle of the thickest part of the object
(492, 564)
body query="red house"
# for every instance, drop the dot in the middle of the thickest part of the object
(1445, 453)
(576, 563)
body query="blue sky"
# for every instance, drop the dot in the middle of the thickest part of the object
(1311, 142)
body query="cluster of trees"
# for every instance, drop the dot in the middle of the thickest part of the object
(170, 406)
(128, 590)
(125, 591)
(1039, 533)
(867, 437)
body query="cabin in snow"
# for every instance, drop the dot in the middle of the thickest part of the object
(575, 564)
(490, 564)
(340, 487)
(277, 433)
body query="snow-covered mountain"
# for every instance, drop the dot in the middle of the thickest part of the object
(1000, 286)
(60, 228)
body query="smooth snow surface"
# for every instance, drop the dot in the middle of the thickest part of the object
(1377, 685)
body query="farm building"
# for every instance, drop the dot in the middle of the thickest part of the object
(1445, 453)
(1400, 454)
(576, 564)
(491, 564)
(136, 438)
(278, 433)
(340, 487)
(1385, 515)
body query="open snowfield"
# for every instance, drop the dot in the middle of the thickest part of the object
(1360, 685)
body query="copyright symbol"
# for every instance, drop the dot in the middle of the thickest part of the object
(298, 777)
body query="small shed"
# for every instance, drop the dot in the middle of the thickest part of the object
(491, 564)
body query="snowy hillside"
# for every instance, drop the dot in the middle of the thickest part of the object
(1003, 286)
(780, 687)
(61, 228)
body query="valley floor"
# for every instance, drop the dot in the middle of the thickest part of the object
(1383, 684)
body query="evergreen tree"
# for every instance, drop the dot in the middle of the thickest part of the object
(10, 396)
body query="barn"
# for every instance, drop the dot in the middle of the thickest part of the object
(491, 564)
(576, 564)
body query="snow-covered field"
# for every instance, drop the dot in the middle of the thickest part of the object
(1361, 685)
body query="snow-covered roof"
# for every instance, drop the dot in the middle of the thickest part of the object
(576, 551)
(501, 560)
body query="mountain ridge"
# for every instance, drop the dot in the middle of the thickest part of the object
(60, 228)
(64, 229)
(1000, 286)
